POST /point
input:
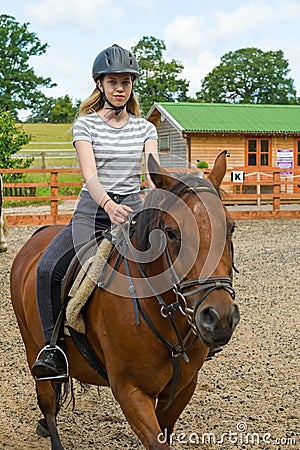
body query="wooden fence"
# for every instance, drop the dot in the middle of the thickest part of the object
(270, 194)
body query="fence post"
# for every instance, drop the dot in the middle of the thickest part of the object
(54, 195)
(276, 191)
(258, 189)
(43, 155)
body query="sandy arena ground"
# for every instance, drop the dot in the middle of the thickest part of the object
(247, 397)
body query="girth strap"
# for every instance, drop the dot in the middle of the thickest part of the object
(88, 352)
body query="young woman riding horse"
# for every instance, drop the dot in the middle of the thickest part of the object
(110, 138)
(152, 324)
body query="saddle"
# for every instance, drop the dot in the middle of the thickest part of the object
(82, 276)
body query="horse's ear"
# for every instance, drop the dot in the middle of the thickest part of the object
(218, 171)
(160, 177)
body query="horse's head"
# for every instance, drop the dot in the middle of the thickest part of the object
(195, 248)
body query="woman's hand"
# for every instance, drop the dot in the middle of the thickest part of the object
(117, 213)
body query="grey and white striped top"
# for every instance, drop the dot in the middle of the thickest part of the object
(118, 151)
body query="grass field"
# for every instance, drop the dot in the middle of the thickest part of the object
(48, 133)
(51, 146)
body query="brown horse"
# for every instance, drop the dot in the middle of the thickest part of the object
(3, 224)
(177, 265)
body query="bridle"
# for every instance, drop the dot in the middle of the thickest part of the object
(196, 285)
(182, 290)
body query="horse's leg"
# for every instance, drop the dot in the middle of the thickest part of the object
(47, 397)
(167, 418)
(139, 409)
(48, 403)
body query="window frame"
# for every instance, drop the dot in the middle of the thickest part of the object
(259, 153)
(166, 147)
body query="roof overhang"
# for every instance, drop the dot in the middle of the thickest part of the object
(162, 114)
(242, 132)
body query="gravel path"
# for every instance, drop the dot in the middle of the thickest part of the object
(247, 397)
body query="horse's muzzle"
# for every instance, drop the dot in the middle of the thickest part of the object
(213, 329)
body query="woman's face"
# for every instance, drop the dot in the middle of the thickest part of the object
(117, 87)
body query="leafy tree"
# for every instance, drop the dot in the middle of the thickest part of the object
(249, 75)
(41, 111)
(12, 139)
(19, 85)
(63, 110)
(158, 80)
(55, 110)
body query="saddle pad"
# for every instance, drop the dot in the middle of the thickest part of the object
(85, 283)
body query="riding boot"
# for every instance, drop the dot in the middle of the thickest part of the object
(53, 365)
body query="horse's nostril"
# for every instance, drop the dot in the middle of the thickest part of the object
(209, 318)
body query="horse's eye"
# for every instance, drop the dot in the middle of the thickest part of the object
(171, 234)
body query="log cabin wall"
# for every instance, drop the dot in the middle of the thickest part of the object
(175, 153)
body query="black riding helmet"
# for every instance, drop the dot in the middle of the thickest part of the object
(115, 59)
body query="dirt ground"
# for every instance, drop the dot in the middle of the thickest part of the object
(247, 397)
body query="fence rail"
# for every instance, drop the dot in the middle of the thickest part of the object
(282, 196)
(47, 155)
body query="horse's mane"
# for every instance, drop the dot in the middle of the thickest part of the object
(148, 218)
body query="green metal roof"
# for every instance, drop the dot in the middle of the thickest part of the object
(232, 118)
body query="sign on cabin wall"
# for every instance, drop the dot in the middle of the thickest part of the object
(285, 159)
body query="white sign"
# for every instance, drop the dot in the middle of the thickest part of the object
(237, 176)
(285, 159)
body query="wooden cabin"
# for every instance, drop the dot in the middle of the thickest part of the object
(257, 137)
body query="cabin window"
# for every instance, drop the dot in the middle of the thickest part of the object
(164, 143)
(258, 152)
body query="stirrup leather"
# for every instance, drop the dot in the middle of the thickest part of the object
(54, 377)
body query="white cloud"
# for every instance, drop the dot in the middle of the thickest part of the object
(195, 70)
(288, 10)
(148, 6)
(184, 35)
(88, 15)
(244, 18)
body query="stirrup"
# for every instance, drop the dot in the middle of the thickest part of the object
(62, 377)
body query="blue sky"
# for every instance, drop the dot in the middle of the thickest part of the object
(196, 32)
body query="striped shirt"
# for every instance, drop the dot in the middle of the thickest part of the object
(118, 151)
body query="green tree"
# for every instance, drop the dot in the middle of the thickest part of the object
(63, 110)
(158, 80)
(12, 139)
(249, 75)
(41, 111)
(19, 85)
(55, 110)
